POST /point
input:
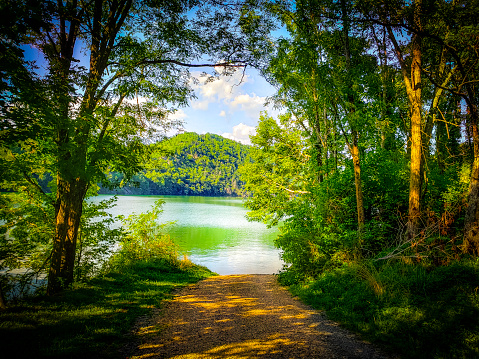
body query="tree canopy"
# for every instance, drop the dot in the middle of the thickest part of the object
(383, 125)
(80, 121)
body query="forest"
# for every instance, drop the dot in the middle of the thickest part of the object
(187, 164)
(371, 169)
(376, 155)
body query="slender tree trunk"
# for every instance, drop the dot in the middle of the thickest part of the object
(318, 141)
(354, 147)
(357, 181)
(415, 179)
(414, 146)
(440, 146)
(471, 221)
(3, 305)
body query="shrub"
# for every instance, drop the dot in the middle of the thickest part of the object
(145, 240)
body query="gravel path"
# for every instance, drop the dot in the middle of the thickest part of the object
(244, 316)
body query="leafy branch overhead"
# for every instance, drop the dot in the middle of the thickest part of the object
(110, 75)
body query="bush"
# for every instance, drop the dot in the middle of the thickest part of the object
(145, 240)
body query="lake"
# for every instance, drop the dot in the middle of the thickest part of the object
(212, 231)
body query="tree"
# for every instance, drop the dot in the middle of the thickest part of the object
(88, 120)
(442, 51)
(277, 177)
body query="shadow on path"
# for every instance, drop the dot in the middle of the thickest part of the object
(244, 316)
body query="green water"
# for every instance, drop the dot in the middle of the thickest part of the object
(213, 232)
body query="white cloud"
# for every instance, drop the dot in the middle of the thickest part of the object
(200, 105)
(222, 113)
(241, 133)
(178, 115)
(252, 104)
(222, 89)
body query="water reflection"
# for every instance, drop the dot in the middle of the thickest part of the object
(213, 232)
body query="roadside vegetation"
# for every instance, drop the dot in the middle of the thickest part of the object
(94, 318)
(416, 311)
(373, 167)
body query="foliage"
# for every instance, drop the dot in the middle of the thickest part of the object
(26, 241)
(80, 121)
(416, 311)
(145, 240)
(277, 174)
(94, 318)
(26, 232)
(189, 164)
(98, 238)
(339, 168)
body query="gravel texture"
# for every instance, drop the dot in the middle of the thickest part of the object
(243, 316)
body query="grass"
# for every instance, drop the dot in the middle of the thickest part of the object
(412, 310)
(92, 320)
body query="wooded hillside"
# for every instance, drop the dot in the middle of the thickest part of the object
(188, 164)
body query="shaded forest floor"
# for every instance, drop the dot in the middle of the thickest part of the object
(93, 319)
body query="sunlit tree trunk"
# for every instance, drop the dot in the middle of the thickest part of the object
(357, 181)
(413, 85)
(471, 221)
(415, 179)
(318, 141)
(70, 195)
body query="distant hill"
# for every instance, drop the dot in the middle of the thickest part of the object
(190, 164)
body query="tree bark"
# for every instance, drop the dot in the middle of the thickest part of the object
(471, 221)
(357, 182)
(413, 89)
(70, 195)
(3, 305)
(354, 148)
(72, 176)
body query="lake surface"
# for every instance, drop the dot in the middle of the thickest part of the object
(212, 231)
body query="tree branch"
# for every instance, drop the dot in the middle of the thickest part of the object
(179, 63)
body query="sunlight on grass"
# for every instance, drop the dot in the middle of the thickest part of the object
(419, 312)
(92, 319)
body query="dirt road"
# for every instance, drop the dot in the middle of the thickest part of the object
(244, 316)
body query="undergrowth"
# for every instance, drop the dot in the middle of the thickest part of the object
(93, 319)
(416, 311)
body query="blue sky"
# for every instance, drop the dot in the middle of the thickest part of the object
(229, 106)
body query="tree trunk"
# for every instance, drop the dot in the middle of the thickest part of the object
(354, 148)
(70, 195)
(471, 225)
(3, 305)
(72, 179)
(318, 142)
(415, 179)
(413, 88)
(357, 182)
(415, 100)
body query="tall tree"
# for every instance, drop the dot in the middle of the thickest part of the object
(392, 17)
(94, 121)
